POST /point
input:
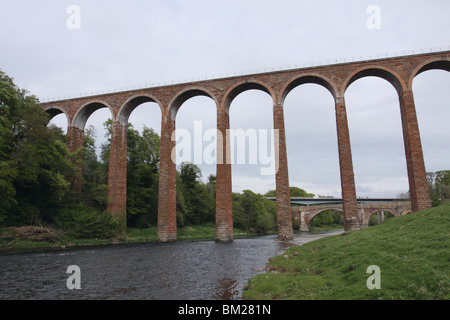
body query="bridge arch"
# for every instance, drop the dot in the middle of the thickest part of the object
(371, 212)
(382, 125)
(430, 79)
(317, 212)
(307, 214)
(86, 110)
(305, 155)
(242, 86)
(54, 111)
(431, 64)
(186, 94)
(375, 71)
(308, 78)
(132, 103)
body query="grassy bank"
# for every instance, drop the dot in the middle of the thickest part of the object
(183, 234)
(412, 252)
(29, 238)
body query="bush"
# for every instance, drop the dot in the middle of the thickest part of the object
(81, 221)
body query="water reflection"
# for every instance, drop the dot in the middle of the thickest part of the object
(227, 290)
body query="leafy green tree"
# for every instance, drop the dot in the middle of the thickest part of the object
(199, 200)
(95, 177)
(142, 177)
(439, 186)
(294, 192)
(142, 174)
(328, 218)
(34, 159)
(211, 185)
(182, 209)
(252, 208)
(240, 219)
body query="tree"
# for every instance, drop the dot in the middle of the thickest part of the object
(250, 212)
(198, 198)
(190, 174)
(239, 214)
(142, 174)
(95, 177)
(327, 218)
(294, 192)
(438, 186)
(34, 159)
(142, 177)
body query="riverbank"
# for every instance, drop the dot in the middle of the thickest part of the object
(412, 253)
(30, 238)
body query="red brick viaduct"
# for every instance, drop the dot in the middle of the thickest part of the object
(399, 71)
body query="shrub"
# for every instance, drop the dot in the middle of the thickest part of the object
(81, 221)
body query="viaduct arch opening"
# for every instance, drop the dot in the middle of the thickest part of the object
(167, 207)
(251, 141)
(196, 137)
(58, 117)
(311, 136)
(138, 112)
(245, 133)
(374, 113)
(433, 115)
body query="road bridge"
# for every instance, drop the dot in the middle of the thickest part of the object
(305, 209)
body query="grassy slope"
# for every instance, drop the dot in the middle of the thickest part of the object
(412, 252)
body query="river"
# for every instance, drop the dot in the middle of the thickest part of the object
(201, 270)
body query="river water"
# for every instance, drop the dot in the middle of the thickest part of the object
(202, 270)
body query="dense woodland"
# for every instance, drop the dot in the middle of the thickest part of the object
(37, 171)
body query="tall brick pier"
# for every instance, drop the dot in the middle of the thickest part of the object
(399, 71)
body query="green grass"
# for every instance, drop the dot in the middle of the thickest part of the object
(11, 240)
(412, 252)
(183, 234)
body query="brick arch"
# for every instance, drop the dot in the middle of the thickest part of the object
(53, 111)
(394, 212)
(184, 95)
(368, 214)
(242, 86)
(86, 110)
(307, 78)
(315, 214)
(375, 71)
(132, 103)
(431, 64)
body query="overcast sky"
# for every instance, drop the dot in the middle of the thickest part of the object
(120, 44)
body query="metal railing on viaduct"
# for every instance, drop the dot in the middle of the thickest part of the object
(399, 71)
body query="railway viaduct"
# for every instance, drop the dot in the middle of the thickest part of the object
(399, 71)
